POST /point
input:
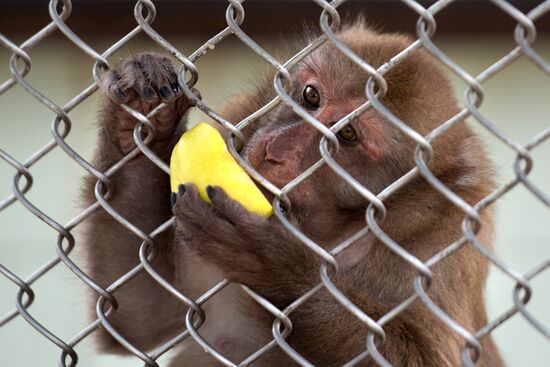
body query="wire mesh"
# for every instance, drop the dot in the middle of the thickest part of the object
(525, 35)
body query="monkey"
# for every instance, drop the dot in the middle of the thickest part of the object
(222, 240)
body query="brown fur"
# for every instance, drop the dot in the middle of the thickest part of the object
(211, 242)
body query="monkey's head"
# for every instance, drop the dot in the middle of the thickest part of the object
(329, 85)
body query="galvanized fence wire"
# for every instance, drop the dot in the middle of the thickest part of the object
(525, 35)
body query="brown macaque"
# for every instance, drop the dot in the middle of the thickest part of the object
(224, 240)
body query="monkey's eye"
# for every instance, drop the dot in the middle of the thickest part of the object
(312, 98)
(347, 134)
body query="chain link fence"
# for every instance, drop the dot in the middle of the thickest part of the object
(525, 35)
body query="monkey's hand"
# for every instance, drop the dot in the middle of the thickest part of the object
(247, 247)
(143, 82)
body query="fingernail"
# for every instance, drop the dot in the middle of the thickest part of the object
(181, 190)
(166, 92)
(210, 191)
(175, 87)
(173, 198)
(149, 92)
(121, 94)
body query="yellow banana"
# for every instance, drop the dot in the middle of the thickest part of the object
(201, 157)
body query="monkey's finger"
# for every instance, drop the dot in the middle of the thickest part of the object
(167, 82)
(212, 236)
(193, 213)
(211, 231)
(113, 87)
(177, 104)
(148, 94)
(191, 190)
(147, 74)
(229, 208)
(188, 200)
(167, 92)
(215, 239)
(125, 120)
(118, 92)
(247, 223)
(194, 206)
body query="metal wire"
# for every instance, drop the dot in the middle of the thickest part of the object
(525, 34)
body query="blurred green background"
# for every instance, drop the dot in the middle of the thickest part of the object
(516, 100)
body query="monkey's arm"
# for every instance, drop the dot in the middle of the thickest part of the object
(147, 314)
(264, 256)
(328, 334)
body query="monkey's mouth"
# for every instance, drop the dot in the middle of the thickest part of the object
(268, 194)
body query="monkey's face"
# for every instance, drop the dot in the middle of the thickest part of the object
(285, 146)
(282, 146)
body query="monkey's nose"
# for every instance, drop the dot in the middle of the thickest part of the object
(274, 152)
